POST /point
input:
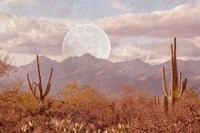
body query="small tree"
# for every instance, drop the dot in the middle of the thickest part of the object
(4, 66)
(41, 96)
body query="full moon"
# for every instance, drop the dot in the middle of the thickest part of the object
(86, 38)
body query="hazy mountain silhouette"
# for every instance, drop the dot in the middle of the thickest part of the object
(103, 74)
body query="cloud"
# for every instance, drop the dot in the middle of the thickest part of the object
(29, 36)
(154, 52)
(3, 2)
(21, 59)
(9, 2)
(73, 9)
(33, 36)
(118, 4)
(25, 37)
(182, 21)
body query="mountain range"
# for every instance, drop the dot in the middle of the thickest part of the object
(105, 75)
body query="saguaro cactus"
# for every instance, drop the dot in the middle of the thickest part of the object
(177, 85)
(156, 99)
(164, 104)
(41, 96)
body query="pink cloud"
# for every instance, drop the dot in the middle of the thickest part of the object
(22, 35)
(182, 21)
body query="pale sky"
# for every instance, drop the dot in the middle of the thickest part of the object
(136, 28)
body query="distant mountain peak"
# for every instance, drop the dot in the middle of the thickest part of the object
(82, 57)
(135, 61)
(43, 57)
(88, 55)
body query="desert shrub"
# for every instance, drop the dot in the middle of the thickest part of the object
(86, 104)
(85, 109)
(191, 95)
(14, 96)
(14, 104)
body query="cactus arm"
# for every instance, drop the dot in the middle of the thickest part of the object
(35, 84)
(33, 92)
(170, 91)
(164, 104)
(29, 83)
(183, 87)
(180, 83)
(48, 86)
(172, 52)
(158, 99)
(164, 82)
(47, 90)
(172, 94)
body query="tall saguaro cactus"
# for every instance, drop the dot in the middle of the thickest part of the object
(177, 85)
(41, 96)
